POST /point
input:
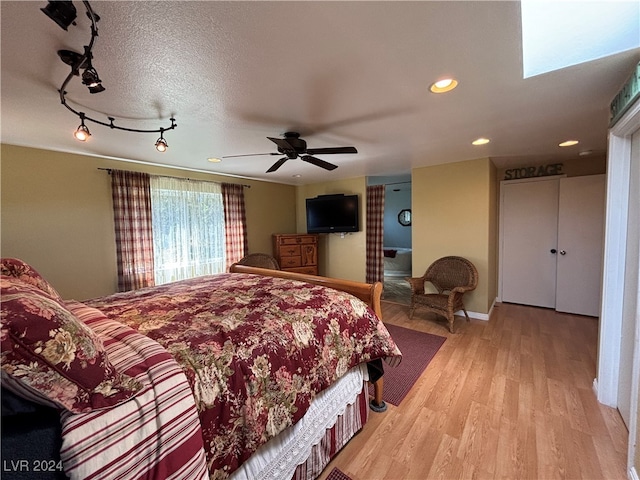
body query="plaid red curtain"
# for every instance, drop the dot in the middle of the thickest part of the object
(134, 233)
(375, 233)
(235, 223)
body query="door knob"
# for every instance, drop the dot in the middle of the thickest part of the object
(553, 250)
(562, 252)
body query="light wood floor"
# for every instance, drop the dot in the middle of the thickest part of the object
(510, 398)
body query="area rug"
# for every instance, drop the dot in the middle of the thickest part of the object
(418, 348)
(337, 474)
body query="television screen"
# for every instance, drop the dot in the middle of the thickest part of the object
(332, 213)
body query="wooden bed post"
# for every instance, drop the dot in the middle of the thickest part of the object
(378, 388)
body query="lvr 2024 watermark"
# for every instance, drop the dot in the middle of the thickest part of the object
(32, 465)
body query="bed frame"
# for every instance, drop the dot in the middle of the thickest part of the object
(370, 293)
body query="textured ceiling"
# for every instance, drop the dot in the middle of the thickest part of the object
(340, 73)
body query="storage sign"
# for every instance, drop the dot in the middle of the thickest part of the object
(528, 172)
(625, 98)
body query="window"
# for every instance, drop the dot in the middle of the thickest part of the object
(188, 228)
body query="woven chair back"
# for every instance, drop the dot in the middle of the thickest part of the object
(260, 260)
(447, 273)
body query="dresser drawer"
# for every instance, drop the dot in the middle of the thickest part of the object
(293, 261)
(289, 250)
(297, 240)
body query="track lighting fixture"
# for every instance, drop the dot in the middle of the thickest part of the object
(82, 133)
(91, 79)
(161, 143)
(64, 14)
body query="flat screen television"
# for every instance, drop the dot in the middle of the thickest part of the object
(333, 214)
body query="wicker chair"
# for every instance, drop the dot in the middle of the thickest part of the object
(261, 260)
(452, 277)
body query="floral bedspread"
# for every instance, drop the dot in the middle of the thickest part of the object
(256, 350)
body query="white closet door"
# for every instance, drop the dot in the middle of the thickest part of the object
(580, 244)
(529, 235)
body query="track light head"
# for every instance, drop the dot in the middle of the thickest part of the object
(161, 143)
(97, 89)
(82, 133)
(61, 12)
(91, 79)
(74, 59)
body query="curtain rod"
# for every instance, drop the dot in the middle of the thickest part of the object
(109, 170)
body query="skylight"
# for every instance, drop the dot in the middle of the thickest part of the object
(561, 33)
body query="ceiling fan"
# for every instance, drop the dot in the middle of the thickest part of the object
(293, 147)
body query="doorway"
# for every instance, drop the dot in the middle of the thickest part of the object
(620, 251)
(397, 241)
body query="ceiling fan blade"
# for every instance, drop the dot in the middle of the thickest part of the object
(331, 150)
(251, 155)
(278, 164)
(283, 144)
(318, 163)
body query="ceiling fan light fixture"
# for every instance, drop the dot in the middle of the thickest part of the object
(444, 85)
(568, 143)
(61, 12)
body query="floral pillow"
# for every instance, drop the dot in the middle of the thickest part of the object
(51, 353)
(24, 272)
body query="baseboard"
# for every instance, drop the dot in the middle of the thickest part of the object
(478, 315)
(633, 474)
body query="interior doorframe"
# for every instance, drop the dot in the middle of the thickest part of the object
(615, 247)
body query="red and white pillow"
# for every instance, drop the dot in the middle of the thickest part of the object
(48, 352)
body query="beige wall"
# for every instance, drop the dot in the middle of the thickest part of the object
(339, 256)
(454, 212)
(56, 214)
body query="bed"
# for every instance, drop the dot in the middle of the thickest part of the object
(248, 374)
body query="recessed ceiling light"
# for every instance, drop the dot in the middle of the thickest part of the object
(444, 85)
(480, 141)
(297, 175)
(214, 160)
(584, 153)
(568, 143)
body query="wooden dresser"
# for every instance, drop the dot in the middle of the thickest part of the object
(296, 252)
